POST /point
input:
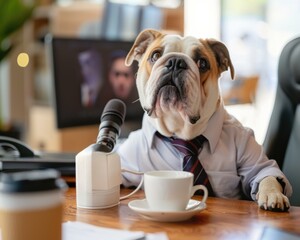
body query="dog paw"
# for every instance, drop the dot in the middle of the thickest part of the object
(277, 202)
(270, 196)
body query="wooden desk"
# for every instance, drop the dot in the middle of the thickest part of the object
(223, 219)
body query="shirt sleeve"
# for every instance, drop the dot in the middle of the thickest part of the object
(254, 165)
(129, 153)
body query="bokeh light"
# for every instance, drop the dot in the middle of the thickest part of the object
(23, 59)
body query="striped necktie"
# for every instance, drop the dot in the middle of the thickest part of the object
(191, 163)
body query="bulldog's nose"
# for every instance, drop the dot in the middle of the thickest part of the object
(176, 63)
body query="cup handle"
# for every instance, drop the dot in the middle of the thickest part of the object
(200, 187)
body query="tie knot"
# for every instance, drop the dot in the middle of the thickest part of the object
(187, 147)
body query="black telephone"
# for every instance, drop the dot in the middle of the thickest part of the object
(10, 145)
(17, 156)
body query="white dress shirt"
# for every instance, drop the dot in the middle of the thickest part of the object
(234, 162)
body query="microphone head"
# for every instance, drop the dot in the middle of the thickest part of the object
(110, 127)
(114, 110)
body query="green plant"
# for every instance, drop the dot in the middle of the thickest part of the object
(14, 13)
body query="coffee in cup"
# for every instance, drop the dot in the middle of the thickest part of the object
(31, 205)
(170, 190)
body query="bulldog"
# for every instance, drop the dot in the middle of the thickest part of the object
(178, 86)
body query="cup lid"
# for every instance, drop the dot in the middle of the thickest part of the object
(31, 181)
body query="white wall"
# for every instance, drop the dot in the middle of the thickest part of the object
(202, 18)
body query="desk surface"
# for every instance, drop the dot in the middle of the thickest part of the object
(223, 219)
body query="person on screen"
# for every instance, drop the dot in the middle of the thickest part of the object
(121, 77)
(90, 63)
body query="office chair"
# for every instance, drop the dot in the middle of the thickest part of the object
(282, 141)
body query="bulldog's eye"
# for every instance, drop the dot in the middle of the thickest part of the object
(155, 56)
(203, 65)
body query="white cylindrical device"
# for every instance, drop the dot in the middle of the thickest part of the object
(98, 179)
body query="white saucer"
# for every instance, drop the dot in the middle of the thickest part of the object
(141, 207)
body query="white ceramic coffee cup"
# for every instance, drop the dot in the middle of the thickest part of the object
(170, 190)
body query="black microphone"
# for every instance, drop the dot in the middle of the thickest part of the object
(112, 118)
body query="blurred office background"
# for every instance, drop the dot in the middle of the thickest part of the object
(254, 32)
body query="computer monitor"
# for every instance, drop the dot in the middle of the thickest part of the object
(88, 73)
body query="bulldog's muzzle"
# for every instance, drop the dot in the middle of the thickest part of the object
(174, 69)
(171, 86)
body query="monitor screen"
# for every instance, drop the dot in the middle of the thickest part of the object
(87, 74)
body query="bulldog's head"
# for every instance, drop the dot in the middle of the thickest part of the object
(177, 80)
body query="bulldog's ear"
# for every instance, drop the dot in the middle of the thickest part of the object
(222, 55)
(143, 40)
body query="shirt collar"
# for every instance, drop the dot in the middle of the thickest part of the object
(214, 128)
(212, 132)
(149, 130)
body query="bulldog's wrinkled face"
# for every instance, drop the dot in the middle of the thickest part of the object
(177, 80)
